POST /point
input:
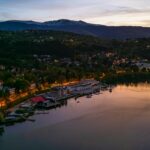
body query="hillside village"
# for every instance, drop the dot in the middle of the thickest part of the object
(46, 58)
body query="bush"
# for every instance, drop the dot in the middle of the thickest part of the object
(1, 118)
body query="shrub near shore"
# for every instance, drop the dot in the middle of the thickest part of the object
(1, 117)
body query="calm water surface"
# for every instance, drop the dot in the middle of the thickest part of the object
(110, 121)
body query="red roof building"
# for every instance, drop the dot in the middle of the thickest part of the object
(38, 99)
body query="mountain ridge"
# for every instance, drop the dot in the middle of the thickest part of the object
(79, 27)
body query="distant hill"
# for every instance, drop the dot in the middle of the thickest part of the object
(80, 27)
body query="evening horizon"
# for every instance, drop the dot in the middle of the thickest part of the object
(112, 13)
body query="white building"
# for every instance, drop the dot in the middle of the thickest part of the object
(85, 87)
(12, 91)
(143, 65)
(32, 86)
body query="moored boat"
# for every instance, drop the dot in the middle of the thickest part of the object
(47, 104)
(10, 120)
(89, 96)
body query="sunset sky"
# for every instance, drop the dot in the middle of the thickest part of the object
(109, 12)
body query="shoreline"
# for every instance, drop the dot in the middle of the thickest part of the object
(18, 110)
(18, 102)
(127, 78)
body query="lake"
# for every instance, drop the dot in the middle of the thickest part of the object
(110, 121)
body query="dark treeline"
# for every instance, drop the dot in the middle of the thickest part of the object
(126, 78)
(47, 42)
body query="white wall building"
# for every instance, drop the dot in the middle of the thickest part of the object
(85, 87)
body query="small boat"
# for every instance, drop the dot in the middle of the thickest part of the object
(14, 117)
(10, 120)
(77, 96)
(97, 93)
(26, 106)
(110, 90)
(26, 112)
(31, 120)
(89, 96)
(47, 104)
(41, 113)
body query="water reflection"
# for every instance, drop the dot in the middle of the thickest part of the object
(119, 120)
(1, 131)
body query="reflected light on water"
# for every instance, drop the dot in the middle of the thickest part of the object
(110, 121)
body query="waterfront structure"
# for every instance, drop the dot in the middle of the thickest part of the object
(85, 87)
(38, 99)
